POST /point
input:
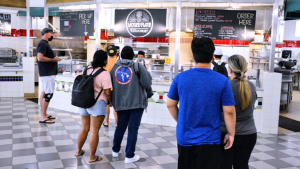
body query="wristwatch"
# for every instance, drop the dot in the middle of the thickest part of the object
(54, 59)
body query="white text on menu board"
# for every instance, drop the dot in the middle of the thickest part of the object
(245, 18)
(5, 17)
(85, 18)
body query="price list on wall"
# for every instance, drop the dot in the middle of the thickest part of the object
(225, 24)
(5, 24)
(77, 23)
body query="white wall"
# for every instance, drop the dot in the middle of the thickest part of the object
(36, 3)
(289, 30)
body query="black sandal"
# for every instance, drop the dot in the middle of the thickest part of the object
(47, 121)
(97, 159)
(105, 125)
(51, 117)
(81, 153)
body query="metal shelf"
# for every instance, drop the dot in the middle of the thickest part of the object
(284, 91)
(25, 37)
(232, 45)
(22, 47)
(63, 38)
(287, 81)
(283, 102)
(266, 43)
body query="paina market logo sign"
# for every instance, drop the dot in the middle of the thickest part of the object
(139, 23)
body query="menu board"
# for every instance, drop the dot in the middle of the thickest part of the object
(80, 23)
(225, 24)
(5, 24)
(140, 22)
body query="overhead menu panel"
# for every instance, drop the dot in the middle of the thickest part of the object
(225, 24)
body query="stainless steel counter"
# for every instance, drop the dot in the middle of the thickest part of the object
(11, 69)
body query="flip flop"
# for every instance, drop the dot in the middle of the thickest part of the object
(82, 152)
(51, 117)
(47, 121)
(97, 159)
(105, 125)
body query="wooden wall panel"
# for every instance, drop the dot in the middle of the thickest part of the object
(63, 1)
(13, 3)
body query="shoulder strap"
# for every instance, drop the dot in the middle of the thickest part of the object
(85, 70)
(136, 68)
(223, 63)
(98, 72)
(214, 63)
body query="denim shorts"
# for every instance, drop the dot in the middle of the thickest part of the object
(97, 110)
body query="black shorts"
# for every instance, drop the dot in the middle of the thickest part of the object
(198, 157)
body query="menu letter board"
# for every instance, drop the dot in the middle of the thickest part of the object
(225, 24)
(5, 26)
(140, 22)
(80, 23)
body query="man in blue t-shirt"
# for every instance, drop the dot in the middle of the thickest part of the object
(203, 95)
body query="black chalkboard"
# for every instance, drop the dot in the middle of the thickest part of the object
(225, 24)
(78, 23)
(140, 22)
(5, 24)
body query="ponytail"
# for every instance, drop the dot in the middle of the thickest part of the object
(238, 65)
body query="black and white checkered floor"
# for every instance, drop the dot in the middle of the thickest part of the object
(24, 143)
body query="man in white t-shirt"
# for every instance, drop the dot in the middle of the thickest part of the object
(219, 66)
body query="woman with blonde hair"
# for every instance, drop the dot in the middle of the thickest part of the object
(245, 96)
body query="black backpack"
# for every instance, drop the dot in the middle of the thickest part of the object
(220, 68)
(148, 90)
(83, 89)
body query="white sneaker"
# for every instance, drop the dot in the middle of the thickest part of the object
(115, 154)
(133, 159)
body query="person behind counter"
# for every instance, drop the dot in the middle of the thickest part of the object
(118, 51)
(129, 101)
(245, 131)
(113, 53)
(47, 64)
(93, 117)
(202, 102)
(219, 66)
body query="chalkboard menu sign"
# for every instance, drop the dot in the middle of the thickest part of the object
(5, 25)
(80, 23)
(140, 22)
(225, 24)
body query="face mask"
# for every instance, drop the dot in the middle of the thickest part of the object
(50, 39)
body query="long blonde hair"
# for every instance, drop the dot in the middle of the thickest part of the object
(238, 65)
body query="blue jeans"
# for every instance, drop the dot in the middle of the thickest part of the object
(132, 119)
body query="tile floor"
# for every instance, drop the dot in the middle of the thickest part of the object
(24, 143)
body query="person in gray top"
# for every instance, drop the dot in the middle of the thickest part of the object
(129, 100)
(245, 97)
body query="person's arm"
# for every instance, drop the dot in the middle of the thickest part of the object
(145, 77)
(228, 104)
(230, 120)
(42, 58)
(173, 108)
(108, 96)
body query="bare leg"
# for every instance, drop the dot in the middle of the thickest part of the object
(96, 123)
(116, 118)
(85, 128)
(44, 107)
(107, 116)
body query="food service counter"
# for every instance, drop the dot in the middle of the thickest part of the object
(266, 112)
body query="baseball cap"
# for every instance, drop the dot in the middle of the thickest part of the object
(47, 30)
(218, 51)
(141, 53)
(112, 50)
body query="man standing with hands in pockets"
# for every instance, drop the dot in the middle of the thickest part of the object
(47, 64)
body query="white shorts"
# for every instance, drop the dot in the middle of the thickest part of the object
(48, 83)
